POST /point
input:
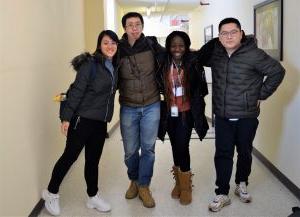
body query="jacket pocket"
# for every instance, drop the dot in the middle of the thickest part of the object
(250, 102)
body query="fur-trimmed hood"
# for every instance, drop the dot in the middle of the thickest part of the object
(81, 59)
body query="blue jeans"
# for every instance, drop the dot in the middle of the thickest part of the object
(139, 127)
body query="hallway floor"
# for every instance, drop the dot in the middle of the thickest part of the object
(270, 197)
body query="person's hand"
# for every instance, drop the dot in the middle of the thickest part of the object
(64, 127)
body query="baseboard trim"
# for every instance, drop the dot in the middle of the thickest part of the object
(279, 175)
(37, 209)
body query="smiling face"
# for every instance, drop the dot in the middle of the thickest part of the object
(133, 28)
(230, 37)
(177, 48)
(108, 47)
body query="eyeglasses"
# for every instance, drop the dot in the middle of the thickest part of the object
(232, 33)
(134, 26)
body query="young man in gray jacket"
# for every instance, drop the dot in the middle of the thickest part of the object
(243, 75)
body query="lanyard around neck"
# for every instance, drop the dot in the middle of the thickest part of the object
(177, 66)
(172, 78)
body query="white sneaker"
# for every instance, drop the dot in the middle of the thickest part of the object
(219, 202)
(51, 202)
(97, 202)
(242, 193)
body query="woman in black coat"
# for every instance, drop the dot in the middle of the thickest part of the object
(89, 106)
(183, 107)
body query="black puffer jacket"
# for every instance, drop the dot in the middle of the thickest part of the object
(91, 95)
(242, 79)
(198, 90)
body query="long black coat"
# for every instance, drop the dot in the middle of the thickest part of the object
(198, 90)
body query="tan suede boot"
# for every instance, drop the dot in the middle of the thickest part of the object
(132, 191)
(185, 180)
(146, 197)
(176, 190)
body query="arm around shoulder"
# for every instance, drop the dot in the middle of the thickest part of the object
(152, 40)
(206, 51)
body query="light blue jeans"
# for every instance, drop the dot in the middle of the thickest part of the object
(139, 126)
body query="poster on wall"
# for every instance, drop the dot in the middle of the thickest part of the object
(268, 27)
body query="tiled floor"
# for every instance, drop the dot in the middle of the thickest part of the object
(270, 197)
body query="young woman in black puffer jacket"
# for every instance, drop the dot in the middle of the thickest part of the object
(89, 106)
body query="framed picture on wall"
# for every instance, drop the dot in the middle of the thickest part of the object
(208, 33)
(268, 21)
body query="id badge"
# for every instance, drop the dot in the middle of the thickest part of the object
(174, 111)
(178, 91)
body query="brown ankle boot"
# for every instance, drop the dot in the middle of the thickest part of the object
(146, 197)
(176, 190)
(185, 180)
(132, 191)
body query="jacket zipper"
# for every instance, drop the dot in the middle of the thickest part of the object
(226, 86)
(108, 101)
(77, 122)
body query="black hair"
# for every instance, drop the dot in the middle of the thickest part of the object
(129, 15)
(185, 37)
(98, 53)
(230, 20)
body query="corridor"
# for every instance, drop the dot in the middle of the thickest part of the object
(270, 197)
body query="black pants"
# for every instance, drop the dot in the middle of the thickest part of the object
(179, 130)
(82, 133)
(229, 134)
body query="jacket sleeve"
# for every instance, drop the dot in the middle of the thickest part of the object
(159, 53)
(152, 41)
(198, 112)
(205, 52)
(273, 72)
(163, 123)
(201, 78)
(76, 92)
(198, 92)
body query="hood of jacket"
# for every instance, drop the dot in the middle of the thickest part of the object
(80, 60)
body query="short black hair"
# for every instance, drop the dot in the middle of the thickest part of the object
(129, 15)
(185, 37)
(230, 20)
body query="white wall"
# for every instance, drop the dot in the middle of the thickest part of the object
(110, 14)
(283, 136)
(38, 38)
(278, 133)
